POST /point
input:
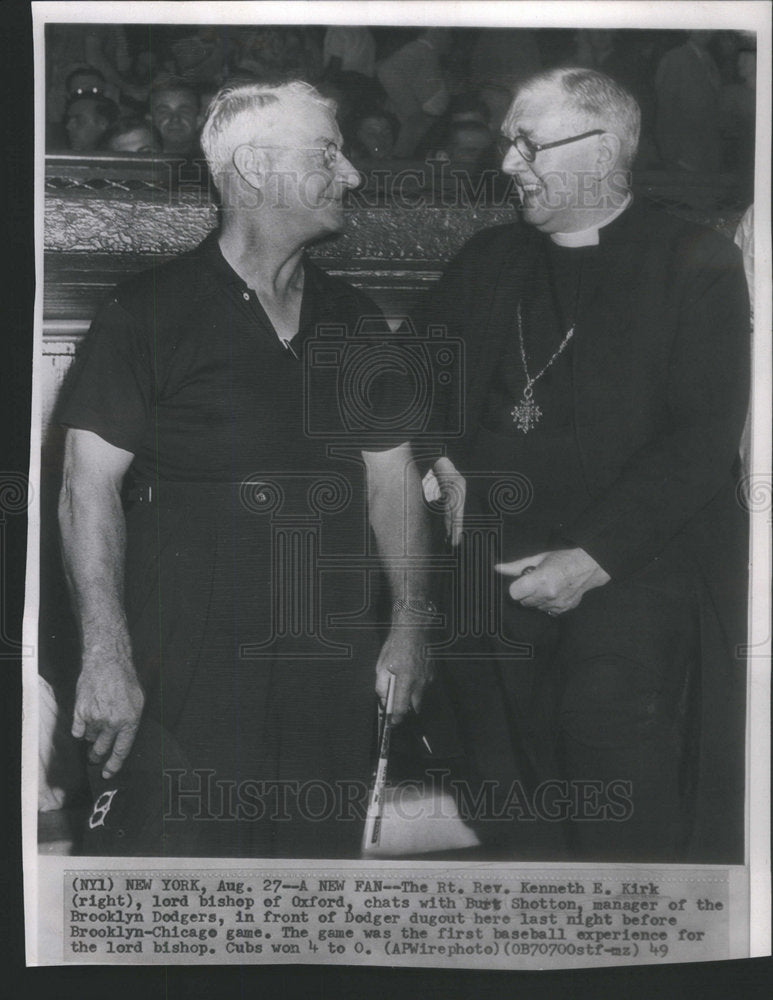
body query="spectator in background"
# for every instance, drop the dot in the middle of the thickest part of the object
(85, 82)
(349, 49)
(87, 119)
(257, 51)
(101, 47)
(688, 86)
(132, 135)
(274, 53)
(467, 107)
(107, 50)
(500, 60)
(200, 57)
(175, 113)
(373, 136)
(76, 46)
(146, 66)
(415, 87)
(468, 147)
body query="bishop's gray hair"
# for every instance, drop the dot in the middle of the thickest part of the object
(596, 100)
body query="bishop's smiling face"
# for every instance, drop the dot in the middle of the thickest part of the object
(556, 188)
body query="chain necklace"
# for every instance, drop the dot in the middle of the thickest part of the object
(526, 413)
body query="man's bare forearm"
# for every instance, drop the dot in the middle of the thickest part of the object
(401, 526)
(93, 532)
(108, 697)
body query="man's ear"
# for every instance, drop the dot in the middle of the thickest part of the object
(251, 165)
(608, 154)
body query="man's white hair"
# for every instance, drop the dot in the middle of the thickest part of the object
(595, 100)
(243, 112)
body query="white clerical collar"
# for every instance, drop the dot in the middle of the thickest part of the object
(588, 237)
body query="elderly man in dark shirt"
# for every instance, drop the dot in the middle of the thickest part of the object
(229, 678)
(606, 367)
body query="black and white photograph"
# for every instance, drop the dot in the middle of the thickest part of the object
(398, 568)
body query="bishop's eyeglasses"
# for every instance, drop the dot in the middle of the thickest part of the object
(528, 149)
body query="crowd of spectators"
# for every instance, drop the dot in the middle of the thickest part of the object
(402, 93)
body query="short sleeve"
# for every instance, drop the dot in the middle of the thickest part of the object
(110, 388)
(399, 378)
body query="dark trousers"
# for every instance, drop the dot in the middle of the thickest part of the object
(275, 726)
(595, 726)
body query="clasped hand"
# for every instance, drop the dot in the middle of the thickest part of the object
(553, 582)
(403, 656)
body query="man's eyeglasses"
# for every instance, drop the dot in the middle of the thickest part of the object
(330, 152)
(529, 149)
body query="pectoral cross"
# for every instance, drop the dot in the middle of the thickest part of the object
(526, 414)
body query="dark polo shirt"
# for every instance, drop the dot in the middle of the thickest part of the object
(183, 369)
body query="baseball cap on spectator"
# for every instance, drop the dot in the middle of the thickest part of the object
(85, 82)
